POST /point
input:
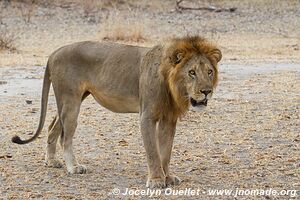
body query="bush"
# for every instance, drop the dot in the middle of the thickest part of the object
(7, 41)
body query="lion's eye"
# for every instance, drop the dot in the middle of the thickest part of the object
(210, 72)
(192, 73)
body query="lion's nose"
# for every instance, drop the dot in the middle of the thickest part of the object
(205, 92)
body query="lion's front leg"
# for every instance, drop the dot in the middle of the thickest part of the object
(156, 176)
(166, 132)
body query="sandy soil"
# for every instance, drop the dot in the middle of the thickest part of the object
(248, 137)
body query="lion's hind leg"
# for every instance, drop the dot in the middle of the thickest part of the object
(70, 108)
(54, 130)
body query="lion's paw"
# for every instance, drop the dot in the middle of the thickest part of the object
(54, 163)
(156, 183)
(172, 180)
(79, 169)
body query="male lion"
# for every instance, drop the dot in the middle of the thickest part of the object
(160, 83)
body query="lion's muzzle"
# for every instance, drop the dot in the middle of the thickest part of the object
(195, 103)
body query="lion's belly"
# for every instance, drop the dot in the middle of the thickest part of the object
(115, 103)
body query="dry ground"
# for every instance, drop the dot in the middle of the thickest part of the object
(248, 137)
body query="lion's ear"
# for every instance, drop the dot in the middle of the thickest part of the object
(177, 56)
(216, 54)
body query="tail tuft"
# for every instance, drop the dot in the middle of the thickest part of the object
(16, 139)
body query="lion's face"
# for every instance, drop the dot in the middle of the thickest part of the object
(190, 68)
(199, 74)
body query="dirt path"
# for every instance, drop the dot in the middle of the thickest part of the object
(248, 137)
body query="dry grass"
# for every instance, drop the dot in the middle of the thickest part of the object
(27, 9)
(134, 34)
(117, 28)
(7, 41)
(87, 5)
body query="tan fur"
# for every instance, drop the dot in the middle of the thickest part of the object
(155, 82)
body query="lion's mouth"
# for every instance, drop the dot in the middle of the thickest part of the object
(195, 103)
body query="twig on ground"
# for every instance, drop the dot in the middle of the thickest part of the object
(208, 8)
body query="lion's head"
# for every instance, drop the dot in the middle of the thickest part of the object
(189, 67)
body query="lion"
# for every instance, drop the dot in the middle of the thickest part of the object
(159, 83)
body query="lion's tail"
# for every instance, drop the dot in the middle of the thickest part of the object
(45, 92)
